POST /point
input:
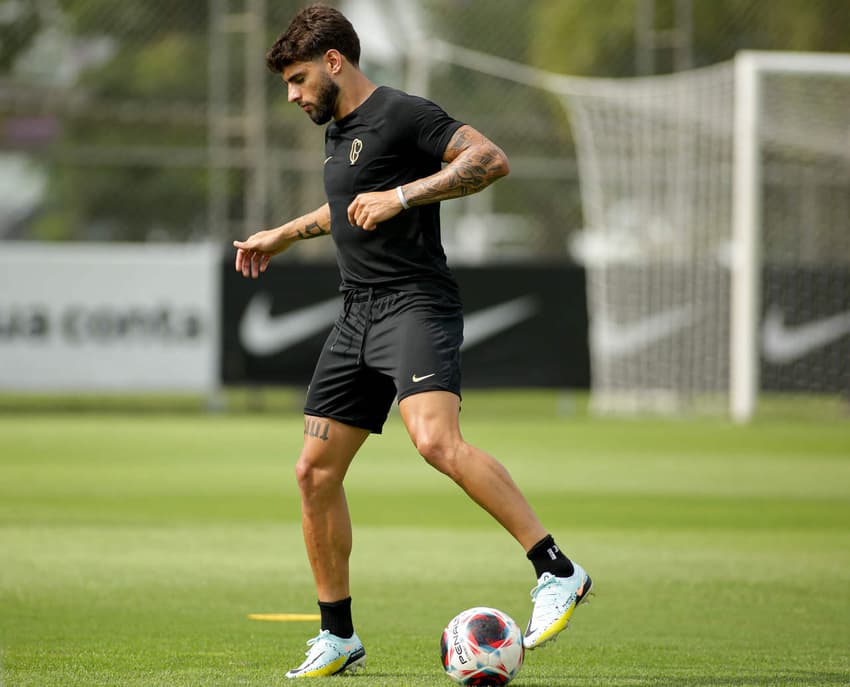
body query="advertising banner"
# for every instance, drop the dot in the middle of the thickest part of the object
(120, 317)
(524, 325)
(109, 317)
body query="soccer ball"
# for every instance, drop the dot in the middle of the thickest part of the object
(482, 646)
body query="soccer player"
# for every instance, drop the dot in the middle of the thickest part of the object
(400, 328)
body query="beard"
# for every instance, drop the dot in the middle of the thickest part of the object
(326, 97)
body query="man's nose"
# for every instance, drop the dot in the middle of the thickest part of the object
(293, 93)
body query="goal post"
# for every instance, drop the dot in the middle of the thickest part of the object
(750, 68)
(745, 258)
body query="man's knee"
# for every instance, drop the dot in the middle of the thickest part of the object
(439, 451)
(314, 474)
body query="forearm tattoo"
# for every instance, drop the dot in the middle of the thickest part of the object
(474, 164)
(312, 230)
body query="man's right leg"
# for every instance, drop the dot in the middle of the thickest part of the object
(329, 448)
(344, 387)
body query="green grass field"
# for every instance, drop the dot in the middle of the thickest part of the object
(134, 545)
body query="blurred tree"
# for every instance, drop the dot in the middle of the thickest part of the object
(19, 25)
(146, 99)
(129, 158)
(597, 37)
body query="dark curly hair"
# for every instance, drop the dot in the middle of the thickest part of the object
(311, 33)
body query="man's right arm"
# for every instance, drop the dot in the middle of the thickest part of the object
(254, 253)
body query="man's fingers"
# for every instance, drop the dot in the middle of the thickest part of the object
(251, 263)
(368, 210)
(241, 259)
(359, 215)
(352, 211)
(259, 263)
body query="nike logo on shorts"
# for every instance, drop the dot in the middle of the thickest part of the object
(415, 379)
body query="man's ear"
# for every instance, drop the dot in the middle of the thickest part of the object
(333, 61)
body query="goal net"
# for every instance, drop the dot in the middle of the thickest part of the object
(716, 233)
(655, 161)
(717, 240)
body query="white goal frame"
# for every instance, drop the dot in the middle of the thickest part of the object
(750, 68)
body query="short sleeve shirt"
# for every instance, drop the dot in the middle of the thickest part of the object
(392, 138)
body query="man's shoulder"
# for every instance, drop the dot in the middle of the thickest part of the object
(391, 97)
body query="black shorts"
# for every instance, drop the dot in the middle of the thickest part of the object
(385, 345)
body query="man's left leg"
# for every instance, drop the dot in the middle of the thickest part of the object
(431, 419)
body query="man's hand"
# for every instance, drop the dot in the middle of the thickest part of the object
(254, 253)
(368, 210)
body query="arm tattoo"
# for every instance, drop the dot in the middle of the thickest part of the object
(460, 142)
(474, 163)
(312, 230)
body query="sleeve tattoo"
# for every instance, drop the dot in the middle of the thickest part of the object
(474, 162)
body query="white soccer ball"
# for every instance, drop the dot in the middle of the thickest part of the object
(482, 646)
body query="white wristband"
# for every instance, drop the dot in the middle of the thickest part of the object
(401, 198)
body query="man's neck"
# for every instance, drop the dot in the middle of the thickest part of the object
(353, 94)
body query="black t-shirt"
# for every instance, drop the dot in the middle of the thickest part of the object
(392, 138)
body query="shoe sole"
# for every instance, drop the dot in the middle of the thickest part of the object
(355, 666)
(564, 622)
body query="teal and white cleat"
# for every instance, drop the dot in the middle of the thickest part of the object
(331, 655)
(555, 599)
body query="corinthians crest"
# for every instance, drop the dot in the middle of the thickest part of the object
(354, 153)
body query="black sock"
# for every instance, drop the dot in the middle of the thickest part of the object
(545, 556)
(336, 617)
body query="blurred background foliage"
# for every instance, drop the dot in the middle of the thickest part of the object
(158, 121)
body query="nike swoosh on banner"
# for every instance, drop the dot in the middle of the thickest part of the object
(262, 333)
(484, 324)
(613, 339)
(783, 344)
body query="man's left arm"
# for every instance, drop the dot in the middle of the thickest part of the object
(474, 162)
